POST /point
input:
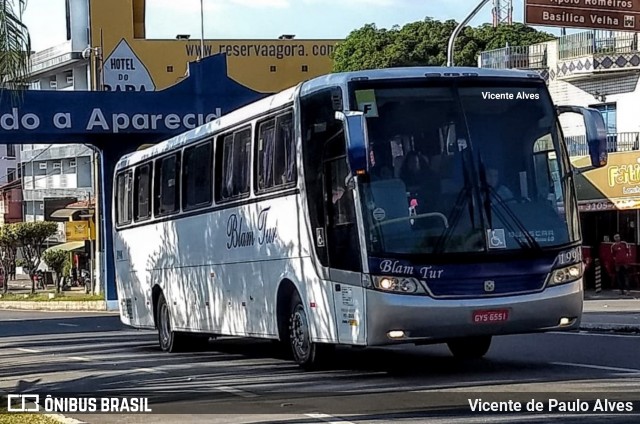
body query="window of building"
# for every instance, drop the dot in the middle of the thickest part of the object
(276, 153)
(72, 164)
(609, 114)
(123, 198)
(11, 150)
(142, 189)
(42, 165)
(167, 185)
(232, 164)
(11, 174)
(197, 176)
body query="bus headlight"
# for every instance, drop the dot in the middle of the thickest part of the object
(407, 285)
(565, 275)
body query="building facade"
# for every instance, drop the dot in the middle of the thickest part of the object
(53, 175)
(11, 202)
(598, 69)
(9, 163)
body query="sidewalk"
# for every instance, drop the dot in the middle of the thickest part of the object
(610, 311)
(73, 299)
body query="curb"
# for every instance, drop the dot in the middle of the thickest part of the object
(52, 305)
(619, 329)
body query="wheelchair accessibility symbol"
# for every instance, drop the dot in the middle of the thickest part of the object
(496, 239)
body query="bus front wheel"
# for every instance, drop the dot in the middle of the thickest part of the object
(166, 336)
(470, 347)
(306, 353)
(174, 341)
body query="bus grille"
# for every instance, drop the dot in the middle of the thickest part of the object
(502, 286)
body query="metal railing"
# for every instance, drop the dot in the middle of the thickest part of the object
(619, 142)
(589, 43)
(516, 57)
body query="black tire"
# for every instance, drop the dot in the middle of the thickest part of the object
(470, 347)
(166, 336)
(174, 341)
(307, 354)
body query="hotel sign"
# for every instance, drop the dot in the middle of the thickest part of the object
(616, 15)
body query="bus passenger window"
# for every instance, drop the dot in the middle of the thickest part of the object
(197, 176)
(142, 206)
(124, 197)
(233, 163)
(166, 187)
(276, 153)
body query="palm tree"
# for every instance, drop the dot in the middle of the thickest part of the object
(15, 45)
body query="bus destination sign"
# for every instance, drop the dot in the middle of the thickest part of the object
(615, 15)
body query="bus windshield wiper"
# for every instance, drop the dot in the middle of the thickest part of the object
(464, 196)
(492, 195)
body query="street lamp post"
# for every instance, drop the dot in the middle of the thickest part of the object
(452, 39)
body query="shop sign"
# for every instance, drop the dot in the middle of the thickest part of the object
(77, 230)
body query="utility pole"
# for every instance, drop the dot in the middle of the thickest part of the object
(201, 29)
(502, 12)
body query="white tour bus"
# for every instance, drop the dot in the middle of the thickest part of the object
(409, 205)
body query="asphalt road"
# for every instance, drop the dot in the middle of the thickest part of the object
(241, 381)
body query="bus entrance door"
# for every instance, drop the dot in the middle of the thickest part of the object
(345, 260)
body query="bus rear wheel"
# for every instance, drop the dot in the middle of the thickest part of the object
(470, 347)
(306, 353)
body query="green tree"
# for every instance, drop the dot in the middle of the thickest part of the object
(8, 253)
(57, 260)
(31, 237)
(425, 43)
(516, 34)
(15, 45)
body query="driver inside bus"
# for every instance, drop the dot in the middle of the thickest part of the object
(421, 182)
(493, 179)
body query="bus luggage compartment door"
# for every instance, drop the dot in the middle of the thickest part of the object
(350, 322)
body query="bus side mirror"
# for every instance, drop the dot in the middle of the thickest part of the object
(355, 131)
(596, 132)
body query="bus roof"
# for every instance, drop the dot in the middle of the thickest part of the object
(343, 78)
(232, 118)
(287, 96)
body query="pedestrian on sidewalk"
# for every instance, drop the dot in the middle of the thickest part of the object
(621, 253)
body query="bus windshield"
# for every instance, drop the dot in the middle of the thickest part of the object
(473, 165)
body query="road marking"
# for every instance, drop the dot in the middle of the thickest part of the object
(64, 324)
(149, 370)
(237, 392)
(22, 349)
(80, 358)
(593, 334)
(328, 418)
(597, 367)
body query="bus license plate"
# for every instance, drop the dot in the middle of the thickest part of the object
(497, 315)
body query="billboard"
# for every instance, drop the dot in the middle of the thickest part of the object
(618, 15)
(133, 63)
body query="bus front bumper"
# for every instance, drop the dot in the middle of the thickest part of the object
(393, 318)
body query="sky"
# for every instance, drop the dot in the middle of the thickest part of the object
(267, 19)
